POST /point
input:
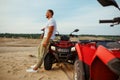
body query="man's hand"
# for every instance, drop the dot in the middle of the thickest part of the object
(41, 36)
(45, 43)
(42, 29)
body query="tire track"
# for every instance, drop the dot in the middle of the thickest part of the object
(68, 70)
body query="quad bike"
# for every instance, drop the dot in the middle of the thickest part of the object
(98, 59)
(62, 50)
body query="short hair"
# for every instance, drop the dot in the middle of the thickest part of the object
(51, 11)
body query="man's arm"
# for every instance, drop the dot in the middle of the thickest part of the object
(42, 35)
(50, 32)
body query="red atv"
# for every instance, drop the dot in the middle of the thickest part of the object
(62, 50)
(98, 60)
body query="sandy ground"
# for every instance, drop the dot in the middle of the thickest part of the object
(15, 59)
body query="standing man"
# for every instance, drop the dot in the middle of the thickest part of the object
(50, 30)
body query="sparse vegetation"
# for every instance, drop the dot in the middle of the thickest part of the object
(36, 36)
(11, 35)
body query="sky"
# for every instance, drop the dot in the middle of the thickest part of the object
(28, 16)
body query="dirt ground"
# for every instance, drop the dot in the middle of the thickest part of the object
(15, 59)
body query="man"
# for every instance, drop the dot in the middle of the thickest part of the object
(50, 30)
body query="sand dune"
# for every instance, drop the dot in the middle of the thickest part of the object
(15, 59)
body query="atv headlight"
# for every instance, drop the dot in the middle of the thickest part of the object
(73, 49)
(53, 48)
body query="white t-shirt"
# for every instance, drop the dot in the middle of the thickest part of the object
(51, 22)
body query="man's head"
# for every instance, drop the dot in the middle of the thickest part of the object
(49, 13)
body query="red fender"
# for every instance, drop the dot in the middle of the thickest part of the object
(85, 52)
(109, 58)
(78, 48)
(100, 71)
(104, 54)
(105, 65)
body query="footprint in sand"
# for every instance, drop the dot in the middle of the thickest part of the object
(8, 71)
(41, 78)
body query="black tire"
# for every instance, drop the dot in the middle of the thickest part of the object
(48, 61)
(79, 73)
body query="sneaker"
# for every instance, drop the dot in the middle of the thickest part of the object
(33, 66)
(31, 70)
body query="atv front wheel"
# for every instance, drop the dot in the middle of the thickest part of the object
(48, 61)
(79, 73)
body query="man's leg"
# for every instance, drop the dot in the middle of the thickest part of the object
(42, 51)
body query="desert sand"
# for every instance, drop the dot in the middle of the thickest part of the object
(15, 58)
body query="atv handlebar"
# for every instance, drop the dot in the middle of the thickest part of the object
(115, 20)
(106, 21)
